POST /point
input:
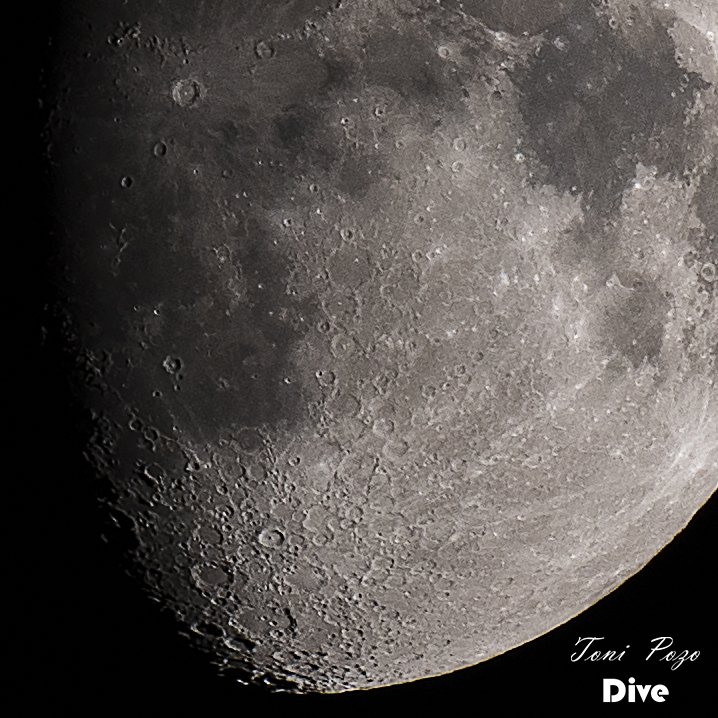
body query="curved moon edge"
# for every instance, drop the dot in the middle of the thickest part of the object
(396, 321)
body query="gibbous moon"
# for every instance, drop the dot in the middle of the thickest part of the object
(396, 320)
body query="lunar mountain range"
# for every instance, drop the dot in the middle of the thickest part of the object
(396, 320)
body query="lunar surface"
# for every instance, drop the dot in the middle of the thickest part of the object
(396, 321)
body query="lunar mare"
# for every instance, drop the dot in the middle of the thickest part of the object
(396, 321)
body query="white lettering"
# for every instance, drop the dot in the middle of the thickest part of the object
(615, 690)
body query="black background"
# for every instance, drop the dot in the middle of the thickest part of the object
(85, 641)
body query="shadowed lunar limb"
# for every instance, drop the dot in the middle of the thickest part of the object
(397, 320)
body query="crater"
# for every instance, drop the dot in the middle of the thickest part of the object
(594, 108)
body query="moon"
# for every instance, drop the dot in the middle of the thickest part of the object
(396, 321)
